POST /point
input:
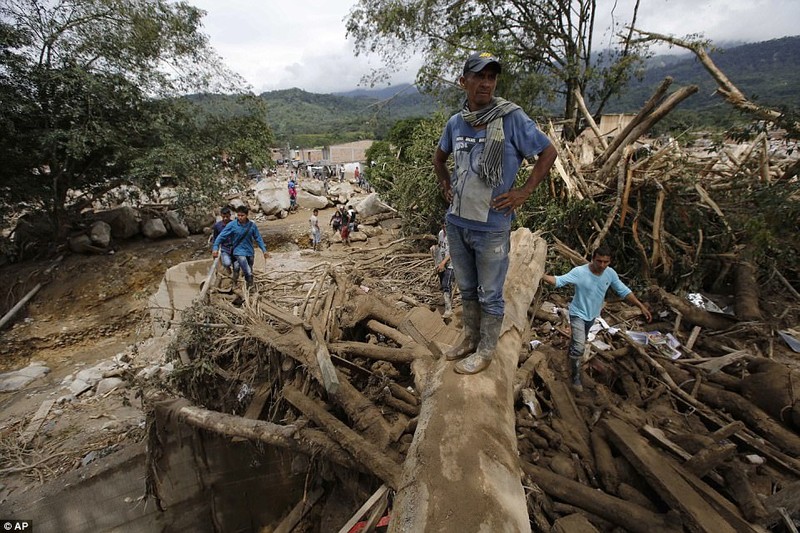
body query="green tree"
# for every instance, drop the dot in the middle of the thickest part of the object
(91, 101)
(546, 46)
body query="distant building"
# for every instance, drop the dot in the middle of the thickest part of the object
(346, 153)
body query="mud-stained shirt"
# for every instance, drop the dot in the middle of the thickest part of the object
(472, 198)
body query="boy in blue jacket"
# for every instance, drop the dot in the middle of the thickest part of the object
(242, 233)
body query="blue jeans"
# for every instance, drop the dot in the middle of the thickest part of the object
(446, 280)
(225, 259)
(480, 261)
(580, 330)
(245, 262)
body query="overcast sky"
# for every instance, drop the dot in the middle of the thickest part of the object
(280, 44)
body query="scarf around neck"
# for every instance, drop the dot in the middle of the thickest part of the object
(491, 116)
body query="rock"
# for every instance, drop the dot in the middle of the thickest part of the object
(78, 386)
(315, 187)
(392, 223)
(154, 228)
(371, 231)
(310, 201)
(344, 191)
(372, 205)
(124, 221)
(80, 244)
(17, 379)
(108, 384)
(199, 222)
(358, 236)
(176, 225)
(100, 233)
(273, 201)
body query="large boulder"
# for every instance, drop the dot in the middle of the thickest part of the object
(273, 201)
(315, 187)
(372, 205)
(154, 228)
(342, 191)
(82, 244)
(176, 225)
(197, 221)
(124, 221)
(100, 234)
(311, 201)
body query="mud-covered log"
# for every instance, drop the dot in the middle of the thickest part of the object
(361, 449)
(740, 408)
(695, 315)
(628, 515)
(746, 284)
(372, 351)
(307, 441)
(462, 471)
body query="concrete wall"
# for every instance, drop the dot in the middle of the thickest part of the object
(207, 484)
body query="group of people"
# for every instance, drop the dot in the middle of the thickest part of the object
(488, 139)
(233, 243)
(343, 221)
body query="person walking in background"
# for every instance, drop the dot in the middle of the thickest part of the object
(225, 250)
(489, 138)
(591, 282)
(292, 185)
(444, 269)
(316, 233)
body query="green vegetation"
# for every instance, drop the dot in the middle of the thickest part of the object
(90, 102)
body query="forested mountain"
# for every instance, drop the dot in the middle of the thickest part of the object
(767, 72)
(310, 119)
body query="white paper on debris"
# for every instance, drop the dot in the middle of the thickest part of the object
(667, 343)
(698, 300)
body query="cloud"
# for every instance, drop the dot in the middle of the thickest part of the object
(303, 43)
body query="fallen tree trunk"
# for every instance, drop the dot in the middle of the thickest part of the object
(469, 420)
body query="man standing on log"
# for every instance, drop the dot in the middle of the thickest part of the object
(591, 284)
(488, 138)
(242, 233)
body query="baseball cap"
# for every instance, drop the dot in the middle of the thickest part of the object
(479, 60)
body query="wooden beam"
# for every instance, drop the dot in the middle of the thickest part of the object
(657, 470)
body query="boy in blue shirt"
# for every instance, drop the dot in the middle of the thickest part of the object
(591, 283)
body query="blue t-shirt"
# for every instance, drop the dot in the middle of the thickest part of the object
(471, 207)
(590, 290)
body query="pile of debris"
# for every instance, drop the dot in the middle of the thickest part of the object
(342, 364)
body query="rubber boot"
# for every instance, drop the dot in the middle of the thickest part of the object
(448, 305)
(491, 325)
(575, 370)
(471, 317)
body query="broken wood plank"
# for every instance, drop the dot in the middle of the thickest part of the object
(280, 314)
(411, 330)
(709, 458)
(377, 495)
(298, 512)
(670, 486)
(35, 423)
(329, 378)
(788, 498)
